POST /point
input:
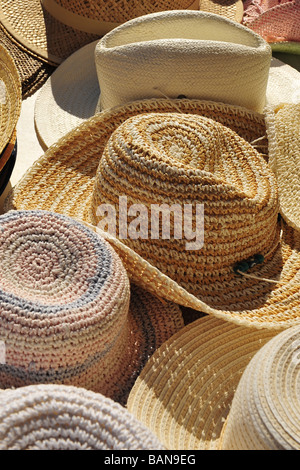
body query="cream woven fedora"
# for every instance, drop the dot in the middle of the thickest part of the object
(54, 29)
(60, 417)
(181, 152)
(214, 59)
(68, 313)
(212, 371)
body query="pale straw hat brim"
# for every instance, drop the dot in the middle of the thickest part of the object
(61, 417)
(185, 391)
(63, 180)
(63, 103)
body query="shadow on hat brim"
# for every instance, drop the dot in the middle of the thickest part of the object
(63, 180)
(7, 162)
(33, 72)
(185, 391)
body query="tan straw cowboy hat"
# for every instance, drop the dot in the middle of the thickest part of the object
(184, 152)
(61, 417)
(219, 386)
(54, 29)
(168, 54)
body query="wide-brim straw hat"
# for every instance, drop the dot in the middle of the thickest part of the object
(61, 417)
(54, 29)
(10, 97)
(7, 161)
(215, 59)
(68, 312)
(33, 71)
(217, 386)
(66, 180)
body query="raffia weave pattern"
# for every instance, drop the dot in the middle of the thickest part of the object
(283, 128)
(185, 391)
(66, 314)
(120, 11)
(265, 412)
(58, 417)
(63, 180)
(10, 97)
(174, 159)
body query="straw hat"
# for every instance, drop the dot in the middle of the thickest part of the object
(216, 59)
(212, 371)
(54, 29)
(68, 313)
(60, 417)
(232, 9)
(33, 72)
(10, 97)
(283, 128)
(277, 22)
(184, 152)
(7, 161)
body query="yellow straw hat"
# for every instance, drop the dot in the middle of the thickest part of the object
(215, 59)
(182, 152)
(10, 97)
(217, 386)
(54, 29)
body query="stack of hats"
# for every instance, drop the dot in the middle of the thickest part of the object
(150, 258)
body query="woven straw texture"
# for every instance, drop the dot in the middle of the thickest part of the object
(33, 72)
(7, 162)
(68, 314)
(58, 417)
(10, 97)
(215, 58)
(185, 391)
(265, 412)
(35, 28)
(232, 9)
(275, 21)
(283, 128)
(64, 180)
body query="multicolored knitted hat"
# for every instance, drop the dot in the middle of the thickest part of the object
(68, 313)
(61, 417)
(217, 386)
(183, 153)
(54, 29)
(10, 97)
(216, 59)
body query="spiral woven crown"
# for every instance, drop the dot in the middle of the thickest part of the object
(59, 417)
(177, 159)
(266, 407)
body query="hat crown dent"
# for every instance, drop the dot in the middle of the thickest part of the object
(265, 410)
(180, 159)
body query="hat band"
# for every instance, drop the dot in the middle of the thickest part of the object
(87, 25)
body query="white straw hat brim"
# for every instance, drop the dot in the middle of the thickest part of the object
(71, 94)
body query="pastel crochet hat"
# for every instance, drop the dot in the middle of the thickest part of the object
(198, 157)
(68, 313)
(61, 417)
(215, 58)
(54, 29)
(219, 386)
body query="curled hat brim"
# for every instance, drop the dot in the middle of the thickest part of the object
(10, 97)
(185, 391)
(62, 104)
(63, 181)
